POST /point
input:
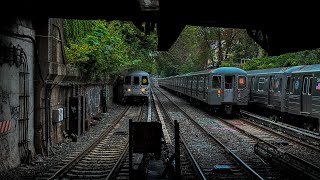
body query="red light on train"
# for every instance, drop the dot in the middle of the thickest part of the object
(242, 80)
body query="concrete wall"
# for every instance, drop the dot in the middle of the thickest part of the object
(35, 82)
(16, 112)
(61, 81)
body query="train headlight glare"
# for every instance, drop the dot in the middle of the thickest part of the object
(219, 91)
(143, 90)
(129, 90)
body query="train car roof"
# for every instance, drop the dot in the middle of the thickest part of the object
(228, 70)
(289, 69)
(294, 68)
(220, 70)
(309, 68)
(137, 72)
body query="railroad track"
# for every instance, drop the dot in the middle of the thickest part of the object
(295, 154)
(189, 168)
(305, 136)
(101, 157)
(212, 154)
(121, 169)
(276, 153)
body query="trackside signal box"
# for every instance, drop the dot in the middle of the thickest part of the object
(144, 137)
(76, 115)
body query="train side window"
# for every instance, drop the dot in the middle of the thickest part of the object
(194, 82)
(241, 82)
(207, 83)
(261, 84)
(201, 81)
(305, 85)
(136, 80)
(144, 80)
(127, 80)
(310, 86)
(279, 85)
(288, 84)
(253, 79)
(216, 82)
(292, 86)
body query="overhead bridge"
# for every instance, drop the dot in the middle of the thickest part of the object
(277, 27)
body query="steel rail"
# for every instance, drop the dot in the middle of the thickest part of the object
(124, 152)
(289, 155)
(242, 163)
(195, 165)
(69, 165)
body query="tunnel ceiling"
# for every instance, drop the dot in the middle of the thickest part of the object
(278, 28)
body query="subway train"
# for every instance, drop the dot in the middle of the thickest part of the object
(223, 90)
(134, 87)
(288, 92)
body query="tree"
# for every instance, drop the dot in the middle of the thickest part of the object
(108, 48)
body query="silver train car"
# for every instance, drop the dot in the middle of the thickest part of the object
(223, 89)
(136, 86)
(288, 92)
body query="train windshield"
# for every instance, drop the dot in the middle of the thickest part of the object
(144, 80)
(216, 82)
(136, 80)
(228, 82)
(127, 80)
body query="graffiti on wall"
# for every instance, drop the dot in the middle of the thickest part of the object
(4, 149)
(4, 96)
(93, 101)
(13, 55)
(5, 122)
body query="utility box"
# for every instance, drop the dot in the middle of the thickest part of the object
(76, 118)
(57, 115)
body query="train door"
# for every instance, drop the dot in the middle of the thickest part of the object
(287, 93)
(205, 84)
(306, 98)
(270, 90)
(252, 79)
(228, 88)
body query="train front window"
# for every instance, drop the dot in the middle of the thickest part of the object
(241, 82)
(228, 82)
(216, 82)
(144, 80)
(136, 80)
(127, 80)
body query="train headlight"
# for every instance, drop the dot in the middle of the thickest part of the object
(219, 91)
(129, 90)
(143, 90)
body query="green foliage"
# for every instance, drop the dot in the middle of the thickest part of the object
(108, 48)
(198, 47)
(284, 60)
(228, 64)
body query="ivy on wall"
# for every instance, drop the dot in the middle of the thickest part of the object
(100, 48)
